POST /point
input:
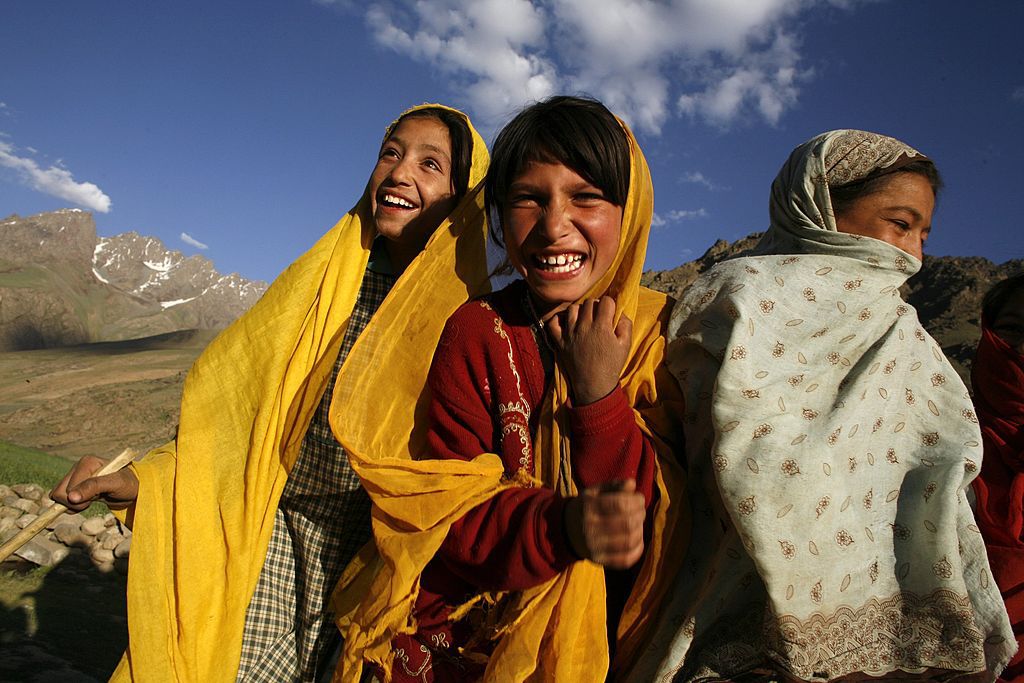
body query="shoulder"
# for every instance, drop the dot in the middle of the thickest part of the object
(485, 312)
(473, 331)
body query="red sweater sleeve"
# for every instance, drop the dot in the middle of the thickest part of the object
(516, 539)
(608, 445)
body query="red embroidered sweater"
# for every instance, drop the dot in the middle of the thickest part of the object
(486, 380)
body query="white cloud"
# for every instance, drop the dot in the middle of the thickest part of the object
(192, 241)
(1018, 94)
(648, 60)
(492, 48)
(676, 216)
(698, 178)
(56, 180)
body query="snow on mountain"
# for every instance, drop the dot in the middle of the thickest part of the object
(107, 288)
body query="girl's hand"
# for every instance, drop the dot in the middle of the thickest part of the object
(591, 347)
(79, 488)
(605, 524)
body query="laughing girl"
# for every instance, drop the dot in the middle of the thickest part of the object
(560, 375)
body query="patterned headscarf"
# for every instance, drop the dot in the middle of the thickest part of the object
(829, 445)
(801, 207)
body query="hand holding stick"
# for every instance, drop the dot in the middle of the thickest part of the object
(46, 517)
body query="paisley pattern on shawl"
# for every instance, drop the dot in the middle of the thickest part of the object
(830, 444)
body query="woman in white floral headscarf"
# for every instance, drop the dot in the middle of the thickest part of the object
(830, 444)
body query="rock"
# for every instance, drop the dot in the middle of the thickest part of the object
(71, 534)
(25, 520)
(110, 543)
(13, 513)
(5, 491)
(70, 518)
(101, 555)
(109, 519)
(26, 505)
(42, 552)
(10, 499)
(123, 548)
(107, 534)
(93, 525)
(28, 491)
(7, 523)
(8, 534)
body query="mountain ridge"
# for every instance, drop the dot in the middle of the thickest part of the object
(61, 284)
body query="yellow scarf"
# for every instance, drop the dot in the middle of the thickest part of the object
(203, 520)
(555, 631)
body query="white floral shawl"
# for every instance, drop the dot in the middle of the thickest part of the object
(829, 445)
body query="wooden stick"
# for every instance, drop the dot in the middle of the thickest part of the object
(51, 513)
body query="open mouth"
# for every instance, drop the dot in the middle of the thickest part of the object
(559, 263)
(396, 202)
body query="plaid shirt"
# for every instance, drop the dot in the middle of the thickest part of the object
(322, 521)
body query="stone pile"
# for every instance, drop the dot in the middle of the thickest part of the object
(98, 541)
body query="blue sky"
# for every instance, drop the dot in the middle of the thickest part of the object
(244, 130)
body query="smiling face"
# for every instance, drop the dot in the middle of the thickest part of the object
(561, 233)
(900, 213)
(411, 185)
(1009, 324)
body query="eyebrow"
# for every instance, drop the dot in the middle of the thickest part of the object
(423, 145)
(909, 209)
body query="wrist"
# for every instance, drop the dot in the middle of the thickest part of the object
(573, 524)
(588, 394)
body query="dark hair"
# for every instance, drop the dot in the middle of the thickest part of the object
(461, 141)
(578, 132)
(844, 196)
(995, 299)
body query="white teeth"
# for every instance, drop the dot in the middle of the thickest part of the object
(392, 199)
(560, 263)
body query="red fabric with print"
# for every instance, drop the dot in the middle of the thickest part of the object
(486, 379)
(998, 379)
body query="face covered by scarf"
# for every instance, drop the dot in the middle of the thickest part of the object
(556, 631)
(829, 445)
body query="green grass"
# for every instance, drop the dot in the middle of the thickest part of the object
(21, 465)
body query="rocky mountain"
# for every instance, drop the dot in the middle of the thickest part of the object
(947, 292)
(61, 284)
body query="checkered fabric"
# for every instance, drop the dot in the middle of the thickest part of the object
(322, 520)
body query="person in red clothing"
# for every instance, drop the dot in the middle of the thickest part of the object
(558, 185)
(998, 379)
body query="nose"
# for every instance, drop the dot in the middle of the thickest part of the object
(555, 222)
(401, 172)
(917, 249)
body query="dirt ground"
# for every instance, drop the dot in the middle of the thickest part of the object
(96, 399)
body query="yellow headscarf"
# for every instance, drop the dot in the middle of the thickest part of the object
(203, 520)
(555, 631)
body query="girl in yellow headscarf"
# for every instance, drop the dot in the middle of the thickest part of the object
(547, 431)
(244, 522)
